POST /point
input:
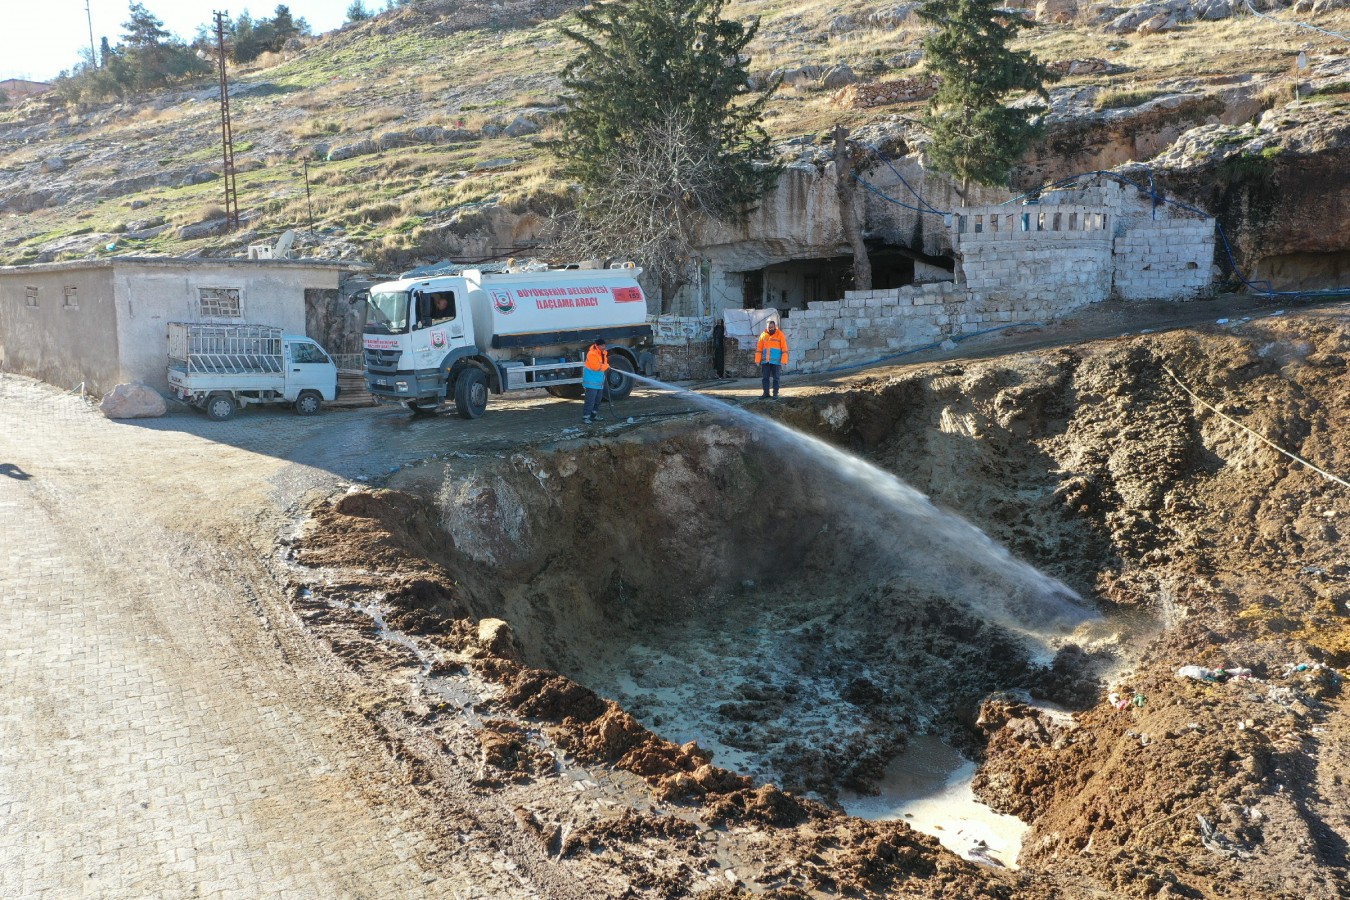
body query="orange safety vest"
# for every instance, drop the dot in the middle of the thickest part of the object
(772, 348)
(597, 363)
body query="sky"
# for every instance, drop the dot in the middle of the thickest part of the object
(40, 38)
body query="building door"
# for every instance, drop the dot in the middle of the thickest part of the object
(754, 290)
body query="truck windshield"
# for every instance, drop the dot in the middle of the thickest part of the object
(388, 313)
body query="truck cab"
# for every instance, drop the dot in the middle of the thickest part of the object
(308, 368)
(414, 333)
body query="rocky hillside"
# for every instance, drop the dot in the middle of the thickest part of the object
(420, 129)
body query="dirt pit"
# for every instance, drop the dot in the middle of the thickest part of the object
(744, 634)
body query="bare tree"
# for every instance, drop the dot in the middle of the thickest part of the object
(848, 214)
(665, 186)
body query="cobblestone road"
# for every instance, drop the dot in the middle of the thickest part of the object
(166, 729)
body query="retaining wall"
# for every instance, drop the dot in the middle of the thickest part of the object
(869, 325)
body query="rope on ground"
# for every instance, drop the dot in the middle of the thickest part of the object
(1335, 34)
(1274, 446)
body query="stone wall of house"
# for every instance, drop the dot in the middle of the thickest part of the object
(871, 325)
(682, 348)
(1016, 264)
(1169, 257)
(1059, 254)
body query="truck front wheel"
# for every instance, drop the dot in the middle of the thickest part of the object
(308, 403)
(220, 407)
(471, 393)
(616, 379)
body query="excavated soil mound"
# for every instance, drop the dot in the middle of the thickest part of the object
(815, 654)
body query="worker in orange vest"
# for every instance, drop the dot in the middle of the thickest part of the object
(593, 380)
(771, 355)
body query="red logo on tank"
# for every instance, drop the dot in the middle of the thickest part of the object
(502, 300)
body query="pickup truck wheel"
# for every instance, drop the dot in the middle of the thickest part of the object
(471, 393)
(220, 407)
(566, 391)
(308, 403)
(619, 384)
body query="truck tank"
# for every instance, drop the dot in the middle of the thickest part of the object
(523, 309)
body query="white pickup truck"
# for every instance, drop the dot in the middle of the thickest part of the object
(459, 337)
(221, 368)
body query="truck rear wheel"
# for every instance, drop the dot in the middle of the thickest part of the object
(220, 407)
(471, 393)
(616, 379)
(566, 391)
(308, 403)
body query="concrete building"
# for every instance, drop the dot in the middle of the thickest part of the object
(21, 88)
(104, 322)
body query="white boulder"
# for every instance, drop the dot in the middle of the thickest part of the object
(132, 401)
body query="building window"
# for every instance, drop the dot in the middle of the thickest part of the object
(219, 303)
(30, 295)
(72, 297)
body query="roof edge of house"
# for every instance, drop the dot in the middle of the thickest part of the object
(176, 262)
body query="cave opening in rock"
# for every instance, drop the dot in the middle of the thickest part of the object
(794, 283)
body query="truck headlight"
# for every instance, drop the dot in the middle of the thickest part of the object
(401, 386)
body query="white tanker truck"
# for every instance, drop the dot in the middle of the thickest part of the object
(459, 337)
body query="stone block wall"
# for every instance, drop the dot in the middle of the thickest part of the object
(682, 347)
(1054, 254)
(871, 325)
(1166, 258)
(691, 361)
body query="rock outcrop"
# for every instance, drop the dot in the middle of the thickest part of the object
(1279, 187)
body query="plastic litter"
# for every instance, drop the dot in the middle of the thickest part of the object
(1292, 669)
(1200, 673)
(1215, 676)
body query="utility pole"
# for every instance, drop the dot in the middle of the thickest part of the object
(93, 54)
(226, 132)
(308, 199)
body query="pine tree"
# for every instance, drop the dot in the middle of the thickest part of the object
(659, 108)
(284, 27)
(143, 30)
(152, 56)
(975, 136)
(357, 12)
(245, 40)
